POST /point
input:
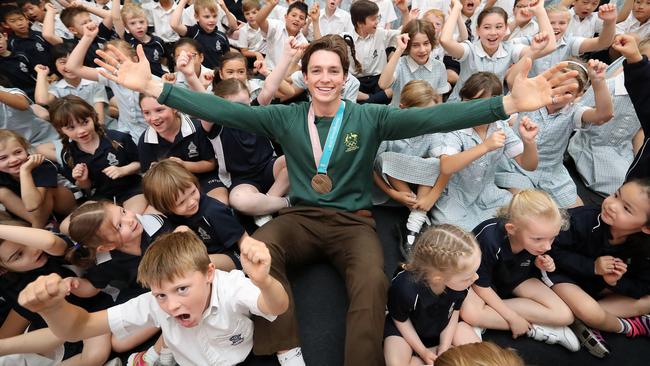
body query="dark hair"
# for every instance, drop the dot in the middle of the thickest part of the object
(300, 6)
(331, 42)
(22, 3)
(61, 50)
(229, 87)
(358, 68)
(492, 10)
(484, 84)
(362, 9)
(228, 56)
(85, 224)
(68, 14)
(416, 26)
(188, 41)
(8, 10)
(644, 183)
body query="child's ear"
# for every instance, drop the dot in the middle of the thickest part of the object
(210, 274)
(105, 248)
(511, 228)
(646, 229)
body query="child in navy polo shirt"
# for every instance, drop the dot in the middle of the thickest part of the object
(17, 68)
(509, 294)
(176, 136)
(28, 183)
(103, 162)
(215, 43)
(24, 40)
(75, 18)
(174, 191)
(131, 25)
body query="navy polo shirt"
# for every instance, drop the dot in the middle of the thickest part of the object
(245, 153)
(105, 155)
(44, 175)
(429, 313)
(190, 144)
(116, 272)
(214, 223)
(499, 265)
(34, 45)
(154, 50)
(103, 35)
(214, 44)
(18, 68)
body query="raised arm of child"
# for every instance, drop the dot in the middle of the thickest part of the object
(48, 25)
(256, 262)
(262, 16)
(118, 24)
(408, 332)
(34, 238)
(527, 132)
(32, 196)
(402, 6)
(607, 13)
(450, 164)
(518, 325)
(106, 15)
(276, 77)
(176, 20)
(545, 29)
(41, 94)
(387, 76)
(46, 296)
(453, 48)
(314, 16)
(604, 109)
(625, 11)
(232, 21)
(14, 100)
(76, 59)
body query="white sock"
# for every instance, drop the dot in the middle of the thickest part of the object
(292, 357)
(416, 220)
(149, 357)
(166, 358)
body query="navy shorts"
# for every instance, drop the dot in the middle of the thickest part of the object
(209, 182)
(391, 330)
(263, 180)
(118, 197)
(505, 287)
(593, 286)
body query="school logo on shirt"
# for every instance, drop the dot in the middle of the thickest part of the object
(375, 54)
(156, 55)
(351, 141)
(192, 151)
(23, 67)
(525, 263)
(112, 159)
(218, 46)
(203, 234)
(39, 47)
(236, 339)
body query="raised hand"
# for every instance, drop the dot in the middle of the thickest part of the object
(314, 12)
(184, 63)
(597, 70)
(528, 130)
(42, 70)
(90, 30)
(169, 77)
(49, 8)
(540, 41)
(626, 45)
(32, 162)
(47, 292)
(132, 75)
(255, 260)
(402, 42)
(496, 140)
(607, 12)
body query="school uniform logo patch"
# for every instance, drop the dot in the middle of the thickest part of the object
(192, 151)
(525, 263)
(112, 159)
(218, 46)
(23, 67)
(39, 47)
(156, 55)
(351, 141)
(203, 234)
(236, 339)
(375, 54)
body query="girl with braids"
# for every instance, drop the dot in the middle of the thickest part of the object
(509, 294)
(102, 162)
(425, 297)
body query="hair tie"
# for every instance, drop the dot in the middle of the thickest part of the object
(76, 245)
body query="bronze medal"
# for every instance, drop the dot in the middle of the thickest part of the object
(321, 183)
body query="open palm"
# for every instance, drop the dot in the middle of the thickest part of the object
(122, 70)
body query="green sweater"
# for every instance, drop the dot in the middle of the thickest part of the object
(363, 128)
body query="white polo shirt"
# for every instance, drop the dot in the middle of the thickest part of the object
(276, 36)
(224, 335)
(632, 25)
(339, 23)
(251, 39)
(160, 19)
(371, 51)
(387, 13)
(587, 27)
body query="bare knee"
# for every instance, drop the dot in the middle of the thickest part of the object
(470, 315)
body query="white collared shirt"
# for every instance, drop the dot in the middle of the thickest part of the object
(187, 128)
(339, 23)
(252, 39)
(387, 13)
(224, 336)
(160, 19)
(371, 51)
(60, 29)
(587, 27)
(276, 36)
(426, 5)
(632, 25)
(530, 29)
(433, 72)
(88, 90)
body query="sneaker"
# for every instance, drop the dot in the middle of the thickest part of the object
(144, 358)
(166, 358)
(262, 219)
(406, 244)
(114, 362)
(555, 335)
(591, 339)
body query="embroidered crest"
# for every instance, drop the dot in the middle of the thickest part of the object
(236, 339)
(203, 234)
(23, 67)
(218, 46)
(351, 141)
(112, 159)
(39, 47)
(375, 54)
(525, 263)
(156, 55)
(192, 151)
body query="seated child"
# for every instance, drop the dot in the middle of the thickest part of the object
(23, 39)
(17, 69)
(524, 23)
(251, 42)
(603, 267)
(509, 294)
(28, 183)
(172, 190)
(424, 299)
(584, 19)
(35, 11)
(637, 21)
(485, 353)
(188, 299)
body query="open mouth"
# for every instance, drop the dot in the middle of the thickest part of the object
(324, 89)
(184, 320)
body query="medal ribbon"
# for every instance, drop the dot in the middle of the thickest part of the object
(322, 157)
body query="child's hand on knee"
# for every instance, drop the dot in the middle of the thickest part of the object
(256, 261)
(44, 294)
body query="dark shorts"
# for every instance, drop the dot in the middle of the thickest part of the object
(262, 180)
(209, 182)
(117, 197)
(505, 288)
(391, 330)
(593, 286)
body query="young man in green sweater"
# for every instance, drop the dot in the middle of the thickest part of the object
(331, 187)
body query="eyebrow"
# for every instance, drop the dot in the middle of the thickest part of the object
(13, 255)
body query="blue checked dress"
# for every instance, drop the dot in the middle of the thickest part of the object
(567, 46)
(472, 196)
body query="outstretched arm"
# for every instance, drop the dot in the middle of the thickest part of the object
(14, 100)
(176, 20)
(453, 48)
(34, 238)
(76, 59)
(607, 13)
(604, 109)
(262, 16)
(48, 26)
(273, 81)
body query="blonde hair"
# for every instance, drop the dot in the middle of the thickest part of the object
(533, 204)
(479, 354)
(132, 10)
(163, 183)
(436, 12)
(441, 249)
(417, 93)
(122, 45)
(209, 5)
(171, 256)
(557, 9)
(8, 135)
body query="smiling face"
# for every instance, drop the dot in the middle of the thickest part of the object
(628, 209)
(12, 157)
(295, 20)
(559, 22)
(420, 48)
(19, 258)
(120, 227)
(534, 235)
(163, 119)
(325, 77)
(186, 297)
(469, 7)
(491, 32)
(187, 202)
(583, 8)
(233, 69)
(60, 67)
(81, 131)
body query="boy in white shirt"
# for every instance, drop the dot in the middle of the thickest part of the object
(251, 42)
(277, 32)
(204, 314)
(584, 20)
(334, 20)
